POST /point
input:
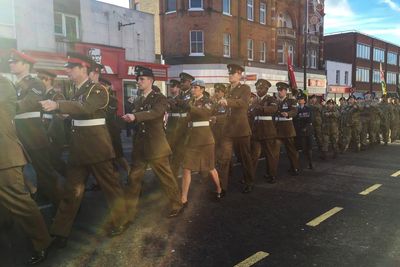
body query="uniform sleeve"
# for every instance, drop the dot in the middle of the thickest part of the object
(292, 109)
(158, 110)
(205, 111)
(31, 100)
(272, 108)
(243, 100)
(97, 99)
(7, 92)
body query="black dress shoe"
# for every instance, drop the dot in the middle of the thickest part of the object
(115, 231)
(247, 189)
(271, 180)
(295, 172)
(37, 257)
(185, 205)
(59, 242)
(219, 196)
(175, 213)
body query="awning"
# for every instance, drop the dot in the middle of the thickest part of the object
(336, 89)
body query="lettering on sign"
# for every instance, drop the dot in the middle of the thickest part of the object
(131, 70)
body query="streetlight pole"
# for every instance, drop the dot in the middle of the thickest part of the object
(305, 45)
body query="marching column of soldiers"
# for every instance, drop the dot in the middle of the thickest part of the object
(187, 130)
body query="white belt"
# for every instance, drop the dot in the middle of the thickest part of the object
(283, 119)
(200, 123)
(47, 116)
(263, 118)
(94, 122)
(182, 115)
(28, 115)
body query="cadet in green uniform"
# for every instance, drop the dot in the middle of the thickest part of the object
(385, 119)
(13, 195)
(352, 124)
(316, 120)
(150, 145)
(30, 128)
(91, 151)
(53, 122)
(174, 128)
(237, 128)
(287, 109)
(376, 115)
(199, 153)
(218, 120)
(330, 128)
(394, 122)
(264, 134)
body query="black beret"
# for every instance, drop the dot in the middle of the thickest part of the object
(301, 96)
(330, 101)
(282, 85)
(233, 68)
(262, 83)
(313, 96)
(186, 76)
(342, 98)
(77, 59)
(143, 71)
(220, 87)
(47, 73)
(174, 83)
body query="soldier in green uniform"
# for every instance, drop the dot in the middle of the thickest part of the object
(376, 116)
(364, 119)
(352, 124)
(316, 120)
(30, 128)
(150, 146)
(385, 119)
(91, 151)
(218, 119)
(13, 194)
(342, 120)
(394, 122)
(330, 128)
(237, 128)
(174, 127)
(53, 122)
(264, 134)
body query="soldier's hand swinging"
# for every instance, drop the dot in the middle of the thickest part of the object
(48, 105)
(129, 117)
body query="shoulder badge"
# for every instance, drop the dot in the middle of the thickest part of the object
(36, 91)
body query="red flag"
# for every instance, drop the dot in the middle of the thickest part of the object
(291, 76)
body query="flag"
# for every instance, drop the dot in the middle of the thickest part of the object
(291, 76)
(384, 90)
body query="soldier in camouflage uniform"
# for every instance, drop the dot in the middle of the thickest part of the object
(351, 124)
(342, 105)
(394, 122)
(385, 119)
(317, 120)
(364, 118)
(376, 115)
(330, 128)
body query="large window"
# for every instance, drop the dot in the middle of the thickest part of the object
(363, 51)
(391, 77)
(392, 58)
(7, 12)
(195, 4)
(362, 75)
(263, 49)
(250, 49)
(263, 13)
(312, 58)
(226, 7)
(66, 25)
(337, 76)
(250, 10)
(227, 45)
(282, 54)
(346, 77)
(379, 55)
(376, 76)
(170, 5)
(196, 43)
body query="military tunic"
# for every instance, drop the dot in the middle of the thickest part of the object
(317, 123)
(217, 127)
(304, 131)
(330, 128)
(352, 126)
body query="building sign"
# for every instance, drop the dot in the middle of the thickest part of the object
(95, 54)
(339, 89)
(316, 82)
(160, 73)
(109, 59)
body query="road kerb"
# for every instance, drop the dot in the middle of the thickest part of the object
(324, 216)
(253, 259)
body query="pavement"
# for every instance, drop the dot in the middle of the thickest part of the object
(316, 219)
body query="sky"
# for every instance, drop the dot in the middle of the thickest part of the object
(378, 18)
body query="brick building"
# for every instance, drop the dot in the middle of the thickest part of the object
(365, 53)
(200, 37)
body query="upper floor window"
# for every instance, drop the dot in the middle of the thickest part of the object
(263, 13)
(392, 58)
(250, 49)
(263, 51)
(362, 75)
(312, 59)
(170, 5)
(196, 43)
(337, 76)
(226, 7)
(283, 51)
(284, 21)
(391, 77)
(227, 45)
(250, 10)
(195, 4)
(376, 76)
(346, 77)
(66, 25)
(363, 51)
(379, 55)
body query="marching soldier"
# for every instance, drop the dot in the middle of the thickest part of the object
(91, 151)
(304, 128)
(237, 128)
(284, 125)
(394, 122)
(30, 128)
(199, 152)
(174, 127)
(263, 130)
(385, 119)
(352, 124)
(219, 119)
(316, 120)
(150, 145)
(53, 122)
(330, 128)
(13, 195)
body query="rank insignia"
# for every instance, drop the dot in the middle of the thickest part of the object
(36, 91)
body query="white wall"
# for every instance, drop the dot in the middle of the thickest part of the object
(99, 24)
(332, 67)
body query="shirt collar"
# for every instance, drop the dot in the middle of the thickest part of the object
(80, 85)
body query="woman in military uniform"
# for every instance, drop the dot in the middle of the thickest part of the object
(199, 153)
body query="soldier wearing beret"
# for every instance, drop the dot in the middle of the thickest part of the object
(316, 120)
(218, 119)
(53, 122)
(178, 117)
(13, 195)
(237, 128)
(199, 152)
(352, 124)
(30, 128)
(150, 146)
(330, 128)
(284, 125)
(91, 151)
(264, 134)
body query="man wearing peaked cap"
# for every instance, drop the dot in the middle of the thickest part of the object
(233, 68)
(219, 87)
(316, 119)
(186, 77)
(262, 83)
(143, 71)
(174, 83)
(30, 128)
(282, 86)
(95, 71)
(91, 151)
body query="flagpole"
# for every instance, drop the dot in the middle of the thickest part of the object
(305, 44)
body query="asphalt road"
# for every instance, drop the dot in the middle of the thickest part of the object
(364, 231)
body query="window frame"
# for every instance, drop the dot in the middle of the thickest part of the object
(376, 74)
(363, 46)
(360, 76)
(263, 11)
(395, 56)
(346, 77)
(263, 52)
(195, 54)
(250, 48)
(229, 44)
(252, 9)
(391, 79)
(337, 77)
(196, 8)
(166, 8)
(229, 6)
(378, 55)
(64, 25)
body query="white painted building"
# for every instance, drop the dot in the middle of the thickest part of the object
(339, 79)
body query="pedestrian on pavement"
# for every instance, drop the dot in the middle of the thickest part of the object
(150, 146)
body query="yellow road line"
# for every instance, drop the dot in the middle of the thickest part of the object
(252, 259)
(370, 189)
(324, 216)
(395, 174)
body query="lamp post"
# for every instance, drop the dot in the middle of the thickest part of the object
(305, 44)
